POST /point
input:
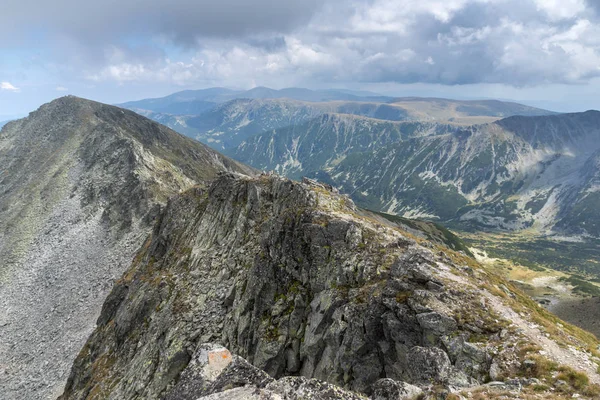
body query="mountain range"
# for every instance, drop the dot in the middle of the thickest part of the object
(452, 161)
(223, 118)
(516, 168)
(178, 103)
(513, 174)
(131, 255)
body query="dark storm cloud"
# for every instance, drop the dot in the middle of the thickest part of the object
(594, 4)
(181, 20)
(268, 43)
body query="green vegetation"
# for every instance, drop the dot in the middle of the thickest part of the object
(582, 285)
(540, 253)
(432, 231)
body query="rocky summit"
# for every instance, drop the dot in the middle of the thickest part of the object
(80, 187)
(262, 287)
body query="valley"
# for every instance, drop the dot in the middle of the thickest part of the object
(116, 184)
(515, 181)
(300, 200)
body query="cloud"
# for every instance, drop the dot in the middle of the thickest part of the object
(9, 87)
(61, 89)
(305, 42)
(561, 9)
(184, 21)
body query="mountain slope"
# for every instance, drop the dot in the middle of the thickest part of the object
(180, 102)
(297, 280)
(230, 123)
(517, 173)
(463, 112)
(324, 141)
(80, 187)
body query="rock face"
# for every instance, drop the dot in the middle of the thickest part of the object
(80, 187)
(213, 373)
(320, 143)
(292, 278)
(539, 173)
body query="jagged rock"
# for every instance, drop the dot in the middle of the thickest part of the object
(468, 357)
(292, 279)
(435, 325)
(300, 388)
(213, 373)
(528, 364)
(495, 371)
(389, 389)
(243, 393)
(207, 365)
(560, 383)
(530, 381)
(429, 364)
(239, 373)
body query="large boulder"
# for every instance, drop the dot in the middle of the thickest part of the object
(429, 365)
(214, 369)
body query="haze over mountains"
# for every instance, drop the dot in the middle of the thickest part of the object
(224, 118)
(455, 161)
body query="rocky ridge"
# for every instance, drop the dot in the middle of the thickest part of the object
(80, 186)
(299, 282)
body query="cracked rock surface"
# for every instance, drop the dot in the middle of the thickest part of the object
(300, 283)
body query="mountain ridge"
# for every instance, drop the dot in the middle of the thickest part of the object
(298, 281)
(81, 185)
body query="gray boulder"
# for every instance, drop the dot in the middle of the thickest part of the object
(243, 393)
(428, 365)
(389, 389)
(300, 388)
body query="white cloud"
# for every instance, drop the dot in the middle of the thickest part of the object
(561, 9)
(9, 87)
(514, 42)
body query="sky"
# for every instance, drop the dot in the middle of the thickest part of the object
(540, 52)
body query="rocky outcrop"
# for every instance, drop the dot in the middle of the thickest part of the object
(81, 184)
(291, 277)
(214, 373)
